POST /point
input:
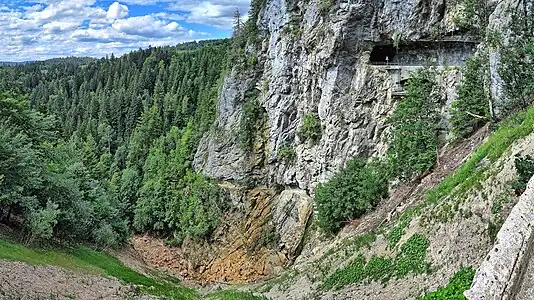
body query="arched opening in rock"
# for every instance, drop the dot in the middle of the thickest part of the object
(382, 54)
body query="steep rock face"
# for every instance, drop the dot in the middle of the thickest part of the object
(316, 60)
(313, 64)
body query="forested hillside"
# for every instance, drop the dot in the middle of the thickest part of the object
(92, 150)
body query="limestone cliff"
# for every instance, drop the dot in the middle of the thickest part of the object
(345, 63)
(340, 64)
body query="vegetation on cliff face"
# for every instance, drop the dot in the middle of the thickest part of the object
(412, 151)
(471, 110)
(352, 192)
(516, 69)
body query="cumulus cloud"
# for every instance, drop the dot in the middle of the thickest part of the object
(41, 29)
(216, 13)
(117, 11)
(146, 26)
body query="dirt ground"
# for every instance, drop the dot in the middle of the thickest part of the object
(20, 281)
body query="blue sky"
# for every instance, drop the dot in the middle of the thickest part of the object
(42, 29)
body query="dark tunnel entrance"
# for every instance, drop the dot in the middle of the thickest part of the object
(382, 54)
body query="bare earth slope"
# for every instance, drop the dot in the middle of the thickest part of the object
(19, 280)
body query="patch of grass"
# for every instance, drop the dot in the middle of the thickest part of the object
(17, 252)
(411, 258)
(234, 295)
(93, 262)
(113, 267)
(460, 282)
(470, 173)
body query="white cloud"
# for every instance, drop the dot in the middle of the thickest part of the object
(117, 11)
(147, 26)
(41, 29)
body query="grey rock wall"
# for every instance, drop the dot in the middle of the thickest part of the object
(501, 274)
(324, 69)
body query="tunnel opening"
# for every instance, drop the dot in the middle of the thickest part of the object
(382, 54)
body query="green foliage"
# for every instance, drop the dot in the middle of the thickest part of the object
(471, 110)
(252, 121)
(350, 193)
(414, 128)
(410, 259)
(42, 222)
(286, 153)
(459, 283)
(233, 295)
(311, 128)
(474, 16)
(396, 233)
(173, 199)
(325, 6)
(515, 69)
(353, 273)
(524, 166)
(121, 150)
(47, 182)
(515, 127)
(411, 256)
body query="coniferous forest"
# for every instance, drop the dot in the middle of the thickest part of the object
(94, 150)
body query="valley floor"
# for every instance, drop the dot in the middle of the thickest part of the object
(19, 280)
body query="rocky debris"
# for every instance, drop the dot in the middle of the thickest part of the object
(292, 211)
(500, 275)
(242, 249)
(19, 280)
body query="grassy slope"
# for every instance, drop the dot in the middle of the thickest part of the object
(466, 177)
(85, 260)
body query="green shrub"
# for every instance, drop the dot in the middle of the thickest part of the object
(286, 153)
(525, 170)
(471, 110)
(474, 17)
(350, 193)
(414, 128)
(516, 70)
(460, 282)
(252, 120)
(311, 128)
(325, 6)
